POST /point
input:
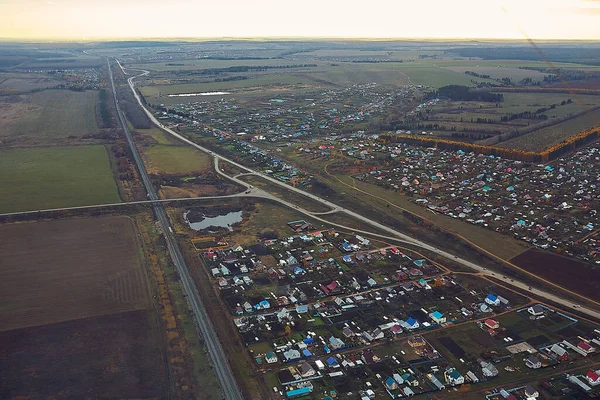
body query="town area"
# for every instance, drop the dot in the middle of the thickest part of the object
(337, 315)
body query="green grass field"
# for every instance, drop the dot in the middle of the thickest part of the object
(207, 64)
(158, 135)
(211, 86)
(347, 74)
(55, 177)
(177, 160)
(54, 114)
(435, 76)
(544, 99)
(499, 72)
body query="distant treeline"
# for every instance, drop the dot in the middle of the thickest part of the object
(231, 78)
(376, 61)
(248, 68)
(548, 90)
(579, 54)
(475, 74)
(465, 93)
(562, 74)
(524, 115)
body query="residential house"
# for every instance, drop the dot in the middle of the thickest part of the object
(410, 379)
(531, 393)
(398, 378)
(484, 308)
(491, 323)
(488, 369)
(417, 343)
(401, 275)
(347, 332)
(453, 377)
(492, 300)
(412, 323)
(391, 384)
(377, 334)
(533, 362)
(306, 370)
(586, 347)
(291, 355)
(592, 377)
(437, 317)
(302, 309)
(336, 343)
(396, 329)
(369, 357)
(271, 358)
(332, 362)
(536, 311)
(262, 305)
(561, 353)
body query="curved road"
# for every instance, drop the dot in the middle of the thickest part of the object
(395, 235)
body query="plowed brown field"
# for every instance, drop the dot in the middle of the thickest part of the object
(61, 270)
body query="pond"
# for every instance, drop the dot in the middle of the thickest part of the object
(220, 221)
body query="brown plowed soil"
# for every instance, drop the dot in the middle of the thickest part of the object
(571, 274)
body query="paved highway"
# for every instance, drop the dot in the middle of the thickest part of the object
(395, 235)
(228, 384)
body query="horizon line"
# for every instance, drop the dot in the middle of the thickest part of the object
(277, 38)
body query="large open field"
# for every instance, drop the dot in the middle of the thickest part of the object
(15, 82)
(546, 137)
(69, 269)
(50, 114)
(266, 80)
(110, 357)
(575, 275)
(190, 65)
(44, 178)
(176, 160)
(75, 311)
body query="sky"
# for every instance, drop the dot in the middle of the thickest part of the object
(104, 19)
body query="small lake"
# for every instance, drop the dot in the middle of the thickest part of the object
(222, 221)
(198, 94)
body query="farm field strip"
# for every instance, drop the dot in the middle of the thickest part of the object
(546, 137)
(54, 114)
(68, 269)
(44, 178)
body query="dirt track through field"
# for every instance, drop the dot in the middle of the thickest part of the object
(68, 269)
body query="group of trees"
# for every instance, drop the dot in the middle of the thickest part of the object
(571, 143)
(248, 68)
(552, 152)
(525, 115)
(475, 74)
(465, 93)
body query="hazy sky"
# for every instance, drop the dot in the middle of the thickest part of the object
(89, 19)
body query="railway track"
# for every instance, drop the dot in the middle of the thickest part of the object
(223, 372)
